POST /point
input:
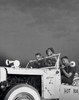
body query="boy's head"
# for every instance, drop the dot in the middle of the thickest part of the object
(38, 56)
(65, 60)
(50, 51)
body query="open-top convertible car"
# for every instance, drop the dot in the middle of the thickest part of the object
(33, 83)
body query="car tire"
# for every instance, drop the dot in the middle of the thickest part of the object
(22, 92)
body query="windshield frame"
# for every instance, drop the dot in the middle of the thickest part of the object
(56, 56)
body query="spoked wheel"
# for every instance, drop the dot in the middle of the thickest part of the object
(22, 92)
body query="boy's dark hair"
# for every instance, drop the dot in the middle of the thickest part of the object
(37, 54)
(64, 57)
(49, 49)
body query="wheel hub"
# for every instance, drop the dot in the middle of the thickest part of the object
(23, 96)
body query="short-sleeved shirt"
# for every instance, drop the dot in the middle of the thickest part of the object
(70, 70)
(37, 64)
(40, 63)
(51, 61)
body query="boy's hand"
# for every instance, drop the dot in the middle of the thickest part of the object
(62, 67)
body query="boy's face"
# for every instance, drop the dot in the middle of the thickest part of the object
(38, 57)
(65, 61)
(49, 53)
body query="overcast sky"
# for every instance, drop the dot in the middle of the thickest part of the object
(30, 26)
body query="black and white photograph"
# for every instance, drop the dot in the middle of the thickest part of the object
(39, 49)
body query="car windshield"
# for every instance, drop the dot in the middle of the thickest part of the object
(50, 61)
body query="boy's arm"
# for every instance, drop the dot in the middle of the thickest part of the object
(67, 74)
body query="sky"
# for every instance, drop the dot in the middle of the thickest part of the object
(31, 26)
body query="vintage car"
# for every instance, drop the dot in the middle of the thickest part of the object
(30, 83)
